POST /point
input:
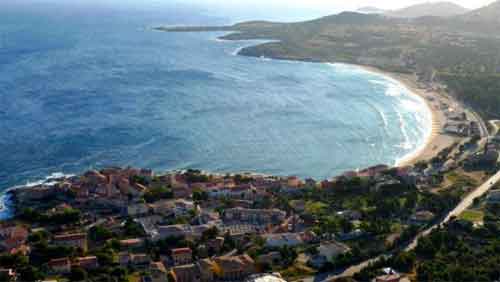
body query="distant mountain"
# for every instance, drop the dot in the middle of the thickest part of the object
(490, 13)
(433, 9)
(371, 10)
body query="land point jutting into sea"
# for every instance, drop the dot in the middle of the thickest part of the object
(433, 216)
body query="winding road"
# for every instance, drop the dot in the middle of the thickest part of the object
(461, 207)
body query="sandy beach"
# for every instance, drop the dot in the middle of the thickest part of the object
(437, 141)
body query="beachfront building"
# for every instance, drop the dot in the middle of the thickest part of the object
(182, 256)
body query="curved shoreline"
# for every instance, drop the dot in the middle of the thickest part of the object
(436, 123)
(436, 140)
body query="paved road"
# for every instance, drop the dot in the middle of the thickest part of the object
(482, 125)
(494, 124)
(461, 207)
(464, 204)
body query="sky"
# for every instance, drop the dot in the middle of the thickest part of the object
(233, 11)
(294, 10)
(345, 4)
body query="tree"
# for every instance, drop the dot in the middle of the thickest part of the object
(120, 273)
(99, 233)
(426, 247)
(13, 261)
(404, 261)
(210, 233)
(154, 194)
(105, 257)
(200, 196)
(39, 236)
(289, 254)
(133, 229)
(78, 274)
(30, 273)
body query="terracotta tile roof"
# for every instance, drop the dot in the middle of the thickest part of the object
(70, 237)
(179, 251)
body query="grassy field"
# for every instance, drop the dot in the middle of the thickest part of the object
(472, 215)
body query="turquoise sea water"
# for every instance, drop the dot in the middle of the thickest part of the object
(85, 86)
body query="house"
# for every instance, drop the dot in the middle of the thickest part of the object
(493, 197)
(13, 237)
(331, 250)
(275, 277)
(457, 116)
(185, 273)
(215, 245)
(8, 275)
(238, 229)
(131, 243)
(393, 277)
(310, 183)
(88, 262)
(354, 234)
(387, 185)
(283, 239)
(234, 268)
(182, 256)
(123, 258)
(137, 210)
(76, 240)
(350, 174)
(182, 192)
(206, 270)
(456, 128)
(325, 184)
(158, 272)
(177, 230)
(373, 171)
(350, 214)
(272, 258)
(181, 230)
(141, 260)
(256, 216)
(293, 182)
(60, 266)
(422, 217)
(485, 160)
(240, 192)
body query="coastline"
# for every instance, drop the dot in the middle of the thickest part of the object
(437, 140)
(434, 143)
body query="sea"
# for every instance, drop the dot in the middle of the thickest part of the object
(90, 84)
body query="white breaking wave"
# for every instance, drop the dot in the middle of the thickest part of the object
(237, 51)
(406, 144)
(52, 179)
(48, 180)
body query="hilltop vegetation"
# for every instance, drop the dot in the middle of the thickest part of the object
(434, 9)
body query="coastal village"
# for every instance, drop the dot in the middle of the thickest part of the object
(434, 216)
(128, 224)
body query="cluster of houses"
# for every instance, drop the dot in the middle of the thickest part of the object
(179, 265)
(110, 196)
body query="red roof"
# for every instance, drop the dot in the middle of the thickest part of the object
(70, 237)
(59, 262)
(179, 251)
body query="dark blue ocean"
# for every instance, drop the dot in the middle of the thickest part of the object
(86, 85)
